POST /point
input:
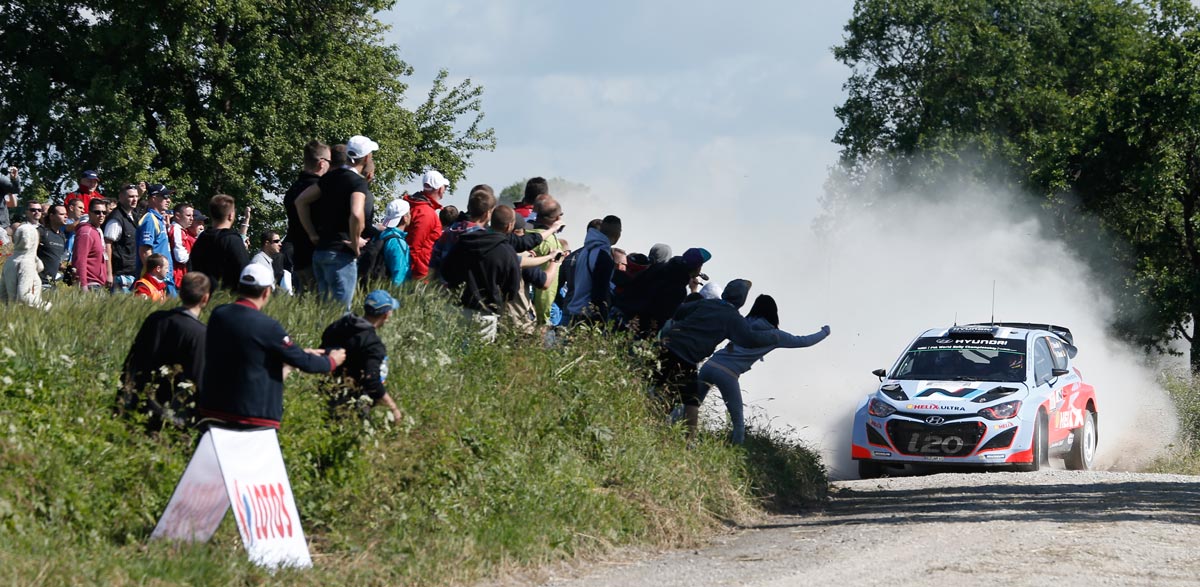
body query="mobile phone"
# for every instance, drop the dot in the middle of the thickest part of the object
(560, 229)
(559, 256)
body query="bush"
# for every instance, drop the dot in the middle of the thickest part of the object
(508, 455)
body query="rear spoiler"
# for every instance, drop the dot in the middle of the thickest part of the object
(1060, 331)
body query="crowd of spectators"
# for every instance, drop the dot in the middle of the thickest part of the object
(506, 266)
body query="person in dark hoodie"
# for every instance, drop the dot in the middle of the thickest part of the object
(486, 266)
(727, 365)
(693, 333)
(654, 295)
(366, 368)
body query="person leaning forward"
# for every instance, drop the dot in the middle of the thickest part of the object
(366, 370)
(246, 353)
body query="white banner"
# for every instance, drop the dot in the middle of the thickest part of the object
(199, 501)
(246, 468)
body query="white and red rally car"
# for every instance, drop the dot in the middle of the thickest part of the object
(990, 395)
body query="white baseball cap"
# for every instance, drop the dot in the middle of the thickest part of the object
(359, 146)
(396, 209)
(257, 274)
(433, 179)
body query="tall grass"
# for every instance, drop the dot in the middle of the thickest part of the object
(509, 455)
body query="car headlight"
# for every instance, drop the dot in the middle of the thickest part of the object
(880, 409)
(1002, 411)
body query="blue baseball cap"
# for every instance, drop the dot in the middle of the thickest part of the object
(380, 302)
(89, 174)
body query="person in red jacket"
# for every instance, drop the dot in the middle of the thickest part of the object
(89, 185)
(425, 226)
(88, 256)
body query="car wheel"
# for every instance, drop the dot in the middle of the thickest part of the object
(1083, 445)
(1039, 447)
(869, 470)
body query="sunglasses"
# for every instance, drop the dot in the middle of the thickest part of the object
(32, 210)
(276, 241)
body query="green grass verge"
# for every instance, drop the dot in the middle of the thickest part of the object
(1184, 458)
(509, 456)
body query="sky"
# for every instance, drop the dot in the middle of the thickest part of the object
(643, 99)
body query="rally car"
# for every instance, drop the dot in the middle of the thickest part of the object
(1002, 395)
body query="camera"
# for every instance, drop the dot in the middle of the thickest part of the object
(559, 256)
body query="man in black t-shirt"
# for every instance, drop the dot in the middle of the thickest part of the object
(336, 214)
(219, 252)
(52, 244)
(297, 249)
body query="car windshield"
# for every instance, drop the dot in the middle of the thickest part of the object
(951, 359)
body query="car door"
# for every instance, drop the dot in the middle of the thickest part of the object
(1047, 387)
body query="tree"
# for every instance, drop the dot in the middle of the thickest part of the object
(217, 97)
(1095, 101)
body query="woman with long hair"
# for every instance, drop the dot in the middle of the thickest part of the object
(727, 365)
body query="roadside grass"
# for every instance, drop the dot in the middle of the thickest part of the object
(509, 456)
(1185, 394)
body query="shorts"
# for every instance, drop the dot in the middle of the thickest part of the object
(679, 379)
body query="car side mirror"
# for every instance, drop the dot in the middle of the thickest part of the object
(880, 373)
(1059, 372)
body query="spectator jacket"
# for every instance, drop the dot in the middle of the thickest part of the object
(121, 230)
(244, 354)
(88, 257)
(488, 269)
(591, 283)
(152, 232)
(423, 231)
(738, 359)
(220, 254)
(365, 369)
(299, 248)
(167, 337)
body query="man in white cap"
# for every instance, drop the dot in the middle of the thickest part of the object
(246, 352)
(425, 226)
(335, 213)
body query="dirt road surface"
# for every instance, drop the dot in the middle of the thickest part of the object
(1045, 528)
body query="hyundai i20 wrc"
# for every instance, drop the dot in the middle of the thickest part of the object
(1003, 395)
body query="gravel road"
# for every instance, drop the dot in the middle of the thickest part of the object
(1045, 528)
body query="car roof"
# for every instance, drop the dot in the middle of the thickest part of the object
(1005, 330)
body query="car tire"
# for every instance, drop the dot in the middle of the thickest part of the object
(869, 470)
(1083, 446)
(1039, 447)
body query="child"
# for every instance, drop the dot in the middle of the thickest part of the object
(153, 284)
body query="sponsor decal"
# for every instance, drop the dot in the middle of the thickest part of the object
(956, 393)
(262, 511)
(935, 407)
(935, 458)
(933, 444)
(882, 453)
(993, 455)
(1005, 425)
(875, 424)
(1070, 418)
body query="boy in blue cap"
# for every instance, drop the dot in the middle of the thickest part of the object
(366, 368)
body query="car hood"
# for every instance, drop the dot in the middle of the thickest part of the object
(928, 396)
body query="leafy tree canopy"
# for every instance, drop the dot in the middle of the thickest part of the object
(1088, 101)
(216, 97)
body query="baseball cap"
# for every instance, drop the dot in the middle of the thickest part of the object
(198, 216)
(519, 223)
(396, 209)
(158, 189)
(89, 174)
(434, 179)
(256, 274)
(359, 146)
(380, 302)
(695, 257)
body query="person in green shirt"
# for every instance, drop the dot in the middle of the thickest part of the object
(549, 213)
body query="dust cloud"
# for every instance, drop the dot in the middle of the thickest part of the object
(879, 278)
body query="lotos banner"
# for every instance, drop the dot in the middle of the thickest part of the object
(245, 469)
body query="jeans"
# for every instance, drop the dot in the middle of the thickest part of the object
(336, 273)
(731, 391)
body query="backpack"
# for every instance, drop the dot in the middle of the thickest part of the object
(372, 265)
